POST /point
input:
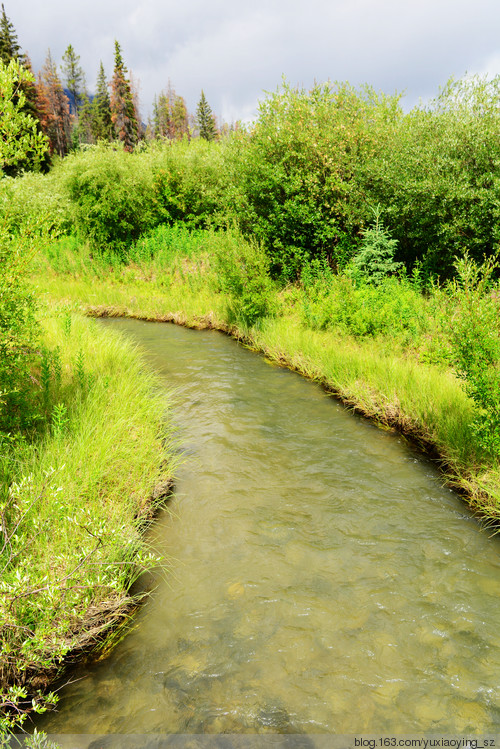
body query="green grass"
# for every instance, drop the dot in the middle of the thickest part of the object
(72, 545)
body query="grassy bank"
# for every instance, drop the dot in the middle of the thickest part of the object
(76, 493)
(399, 373)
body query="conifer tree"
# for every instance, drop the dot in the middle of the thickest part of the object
(123, 114)
(82, 132)
(205, 119)
(74, 76)
(9, 47)
(101, 124)
(53, 108)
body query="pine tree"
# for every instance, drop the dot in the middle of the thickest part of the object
(205, 119)
(101, 125)
(123, 114)
(53, 108)
(74, 76)
(9, 47)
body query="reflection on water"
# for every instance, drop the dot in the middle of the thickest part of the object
(324, 581)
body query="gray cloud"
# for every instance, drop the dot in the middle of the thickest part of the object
(235, 50)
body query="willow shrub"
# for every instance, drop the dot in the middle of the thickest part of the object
(296, 169)
(112, 197)
(193, 182)
(241, 270)
(440, 187)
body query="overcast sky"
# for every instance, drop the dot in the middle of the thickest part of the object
(235, 50)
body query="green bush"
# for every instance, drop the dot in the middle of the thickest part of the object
(475, 336)
(392, 308)
(440, 188)
(242, 272)
(297, 171)
(192, 182)
(112, 197)
(18, 334)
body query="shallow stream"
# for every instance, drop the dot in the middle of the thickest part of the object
(323, 580)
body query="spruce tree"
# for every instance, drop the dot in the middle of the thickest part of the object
(101, 124)
(123, 114)
(74, 76)
(9, 47)
(205, 119)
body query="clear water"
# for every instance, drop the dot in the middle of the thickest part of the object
(323, 580)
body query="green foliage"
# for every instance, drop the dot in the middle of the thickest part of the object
(242, 271)
(193, 184)
(475, 335)
(20, 138)
(205, 119)
(123, 115)
(440, 186)
(101, 124)
(18, 334)
(35, 204)
(392, 307)
(297, 170)
(374, 260)
(112, 197)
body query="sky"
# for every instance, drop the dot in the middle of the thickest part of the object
(237, 50)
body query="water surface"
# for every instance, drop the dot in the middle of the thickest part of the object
(323, 579)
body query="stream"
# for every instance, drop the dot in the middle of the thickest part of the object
(322, 580)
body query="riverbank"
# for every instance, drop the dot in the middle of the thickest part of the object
(77, 495)
(376, 376)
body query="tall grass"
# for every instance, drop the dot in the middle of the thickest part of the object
(70, 541)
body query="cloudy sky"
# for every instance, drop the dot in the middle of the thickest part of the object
(237, 49)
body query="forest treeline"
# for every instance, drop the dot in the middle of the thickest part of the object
(69, 116)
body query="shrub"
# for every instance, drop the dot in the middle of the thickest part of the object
(242, 271)
(18, 334)
(475, 336)
(297, 171)
(192, 182)
(112, 197)
(392, 308)
(440, 186)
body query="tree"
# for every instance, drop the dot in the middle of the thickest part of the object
(101, 124)
(9, 47)
(53, 108)
(74, 76)
(82, 133)
(205, 119)
(170, 115)
(123, 114)
(20, 139)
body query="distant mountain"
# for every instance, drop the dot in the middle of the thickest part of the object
(72, 102)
